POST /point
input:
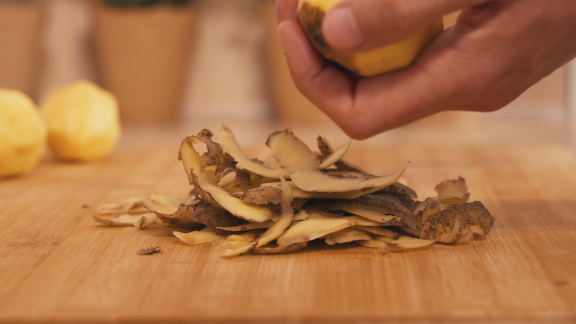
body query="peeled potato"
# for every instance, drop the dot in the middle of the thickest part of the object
(22, 134)
(367, 63)
(83, 122)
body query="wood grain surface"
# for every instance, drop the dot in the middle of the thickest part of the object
(57, 265)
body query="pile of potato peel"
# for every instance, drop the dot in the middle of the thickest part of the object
(295, 196)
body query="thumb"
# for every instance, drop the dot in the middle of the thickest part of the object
(359, 25)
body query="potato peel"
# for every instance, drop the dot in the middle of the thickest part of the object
(291, 153)
(356, 207)
(161, 204)
(211, 192)
(378, 231)
(296, 196)
(205, 235)
(346, 235)
(139, 221)
(312, 229)
(173, 212)
(404, 242)
(270, 249)
(381, 246)
(214, 218)
(316, 181)
(121, 207)
(452, 224)
(262, 195)
(247, 227)
(335, 156)
(453, 188)
(299, 193)
(226, 138)
(326, 150)
(285, 218)
(227, 179)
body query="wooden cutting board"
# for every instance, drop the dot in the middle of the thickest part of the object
(58, 265)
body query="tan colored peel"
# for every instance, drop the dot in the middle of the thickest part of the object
(121, 207)
(453, 188)
(335, 156)
(299, 193)
(346, 235)
(291, 153)
(378, 231)
(262, 195)
(161, 204)
(237, 244)
(227, 179)
(404, 242)
(285, 218)
(316, 181)
(236, 248)
(226, 138)
(360, 207)
(300, 216)
(191, 200)
(139, 221)
(358, 220)
(214, 217)
(306, 215)
(249, 236)
(241, 182)
(271, 163)
(205, 235)
(381, 246)
(344, 165)
(249, 226)
(172, 212)
(274, 249)
(312, 229)
(370, 214)
(191, 161)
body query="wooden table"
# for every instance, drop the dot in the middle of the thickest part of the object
(58, 265)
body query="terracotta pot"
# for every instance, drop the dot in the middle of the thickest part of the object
(289, 103)
(143, 55)
(21, 44)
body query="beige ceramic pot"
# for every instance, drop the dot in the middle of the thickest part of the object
(143, 55)
(21, 44)
(290, 104)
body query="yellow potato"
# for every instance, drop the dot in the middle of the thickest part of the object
(368, 63)
(22, 134)
(83, 122)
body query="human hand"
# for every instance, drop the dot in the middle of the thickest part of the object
(496, 50)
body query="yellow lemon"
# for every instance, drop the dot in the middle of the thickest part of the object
(83, 122)
(22, 134)
(368, 63)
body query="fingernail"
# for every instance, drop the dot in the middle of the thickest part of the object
(341, 29)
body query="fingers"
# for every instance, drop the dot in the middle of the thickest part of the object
(361, 109)
(481, 64)
(320, 82)
(371, 106)
(358, 25)
(286, 10)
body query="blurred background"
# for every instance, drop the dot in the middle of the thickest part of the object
(215, 61)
